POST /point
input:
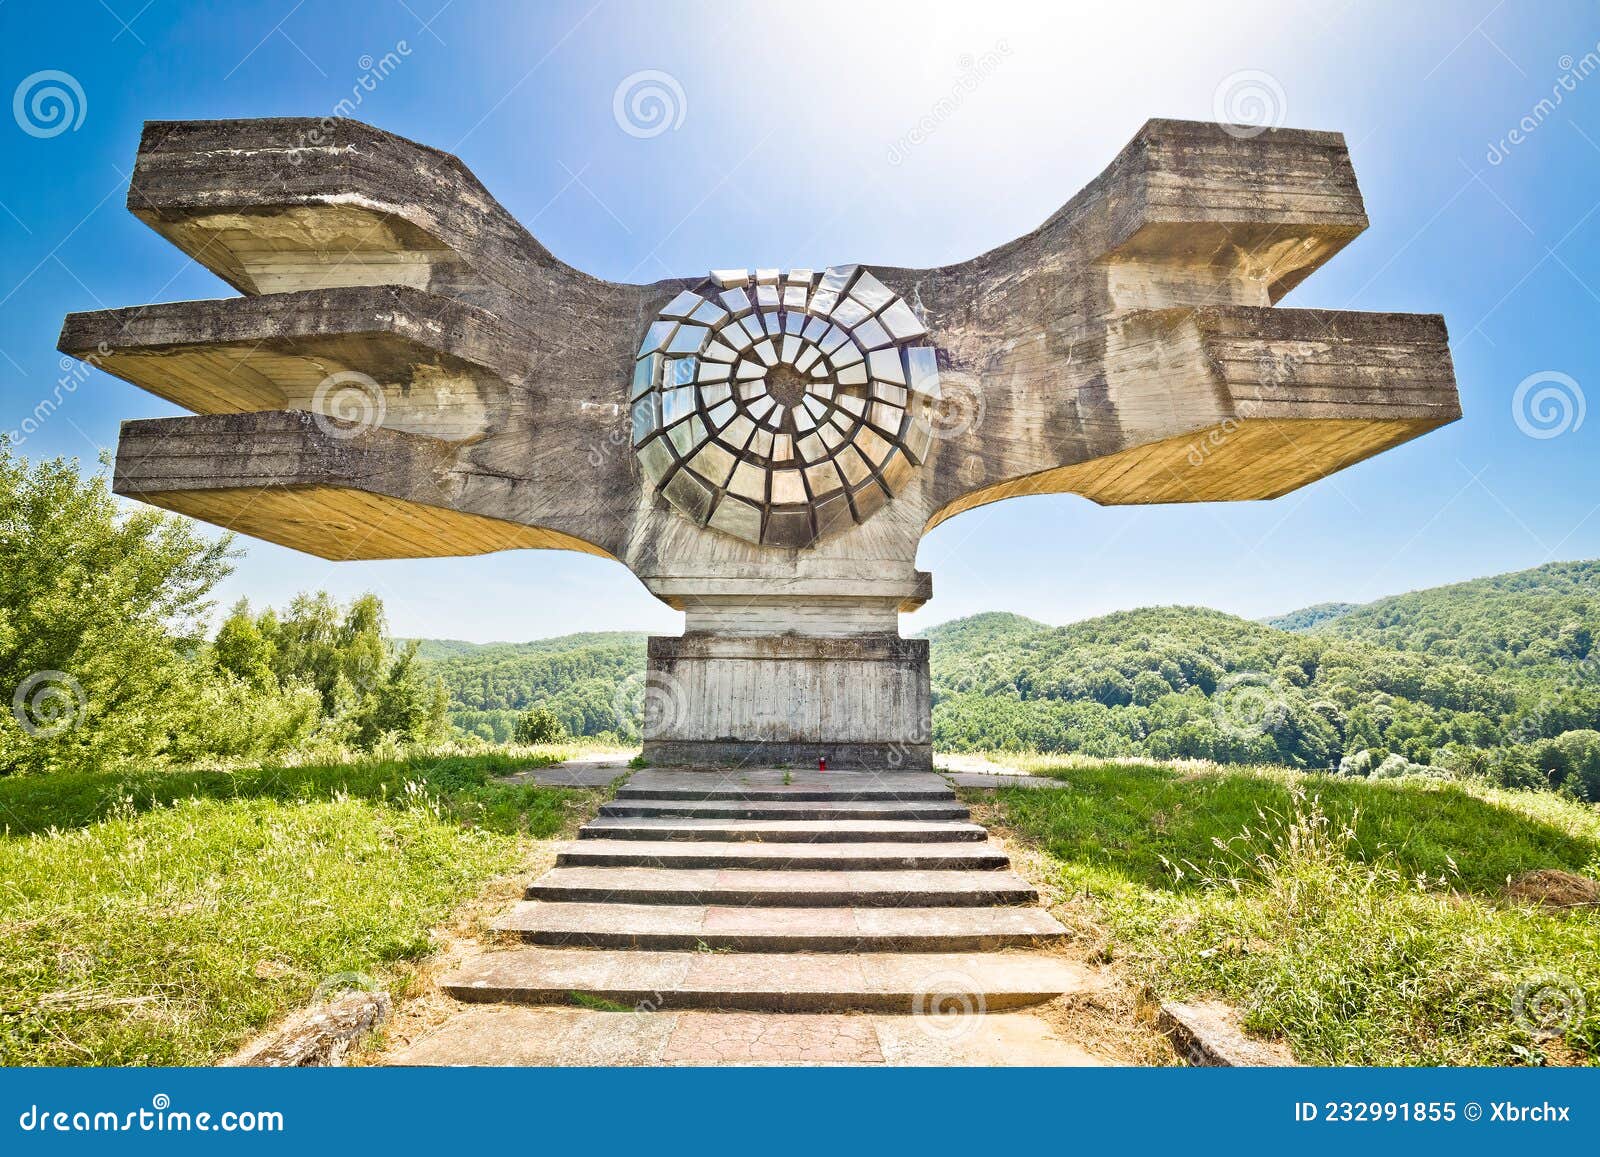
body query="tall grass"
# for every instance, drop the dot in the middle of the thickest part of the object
(164, 918)
(1365, 924)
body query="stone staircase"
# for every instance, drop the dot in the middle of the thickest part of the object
(778, 892)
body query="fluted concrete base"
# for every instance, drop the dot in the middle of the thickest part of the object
(859, 701)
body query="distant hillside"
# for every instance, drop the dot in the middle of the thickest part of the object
(1494, 676)
(1537, 622)
(428, 649)
(580, 677)
(1191, 682)
(1312, 616)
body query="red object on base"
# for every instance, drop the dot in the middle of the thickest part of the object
(822, 764)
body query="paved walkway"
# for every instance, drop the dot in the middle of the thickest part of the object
(592, 771)
(768, 916)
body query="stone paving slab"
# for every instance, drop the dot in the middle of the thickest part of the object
(762, 929)
(799, 982)
(782, 831)
(775, 888)
(786, 809)
(522, 1035)
(780, 856)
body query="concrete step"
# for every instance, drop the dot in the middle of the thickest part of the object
(768, 784)
(786, 810)
(524, 1035)
(790, 831)
(790, 794)
(920, 984)
(761, 929)
(783, 889)
(821, 857)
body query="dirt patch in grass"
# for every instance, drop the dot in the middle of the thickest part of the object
(1553, 888)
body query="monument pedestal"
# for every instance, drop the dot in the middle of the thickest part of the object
(858, 701)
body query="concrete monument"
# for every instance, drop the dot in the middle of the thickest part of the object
(411, 374)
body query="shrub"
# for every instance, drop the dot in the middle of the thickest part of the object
(540, 725)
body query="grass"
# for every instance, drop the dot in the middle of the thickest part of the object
(1362, 922)
(165, 918)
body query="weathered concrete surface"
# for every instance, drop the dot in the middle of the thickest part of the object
(837, 923)
(1127, 350)
(833, 831)
(512, 1035)
(784, 857)
(746, 928)
(915, 984)
(857, 702)
(769, 887)
(1207, 1034)
(817, 809)
(772, 783)
(318, 1036)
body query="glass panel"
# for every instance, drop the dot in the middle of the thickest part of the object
(902, 322)
(837, 278)
(923, 364)
(886, 367)
(657, 336)
(682, 305)
(644, 373)
(850, 313)
(870, 335)
(737, 302)
(871, 292)
(687, 340)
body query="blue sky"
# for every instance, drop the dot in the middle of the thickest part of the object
(792, 119)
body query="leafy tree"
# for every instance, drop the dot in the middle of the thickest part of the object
(540, 725)
(1571, 763)
(366, 689)
(101, 620)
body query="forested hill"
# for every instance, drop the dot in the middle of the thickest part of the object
(580, 677)
(1308, 617)
(1536, 622)
(1495, 675)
